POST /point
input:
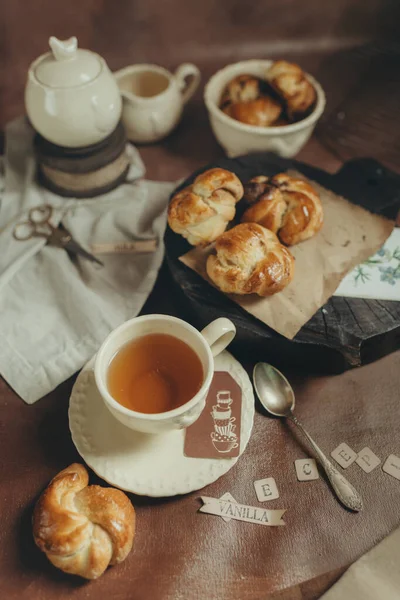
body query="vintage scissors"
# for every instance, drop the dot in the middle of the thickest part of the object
(38, 225)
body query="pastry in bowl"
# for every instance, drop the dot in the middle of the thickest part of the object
(285, 95)
(249, 259)
(246, 100)
(83, 529)
(288, 206)
(243, 88)
(286, 135)
(263, 111)
(292, 85)
(202, 211)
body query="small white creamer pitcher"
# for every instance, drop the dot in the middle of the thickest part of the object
(153, 99)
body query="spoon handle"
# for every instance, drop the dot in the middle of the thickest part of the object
(344, 490)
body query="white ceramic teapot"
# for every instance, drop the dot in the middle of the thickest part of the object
(71, 97)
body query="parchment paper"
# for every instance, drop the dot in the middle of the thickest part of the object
(350, 234)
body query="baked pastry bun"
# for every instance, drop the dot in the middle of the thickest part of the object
(262, 112)
(83, 529)
(202, 211)
(249, 259)
(288, 206)
(290, 82)
(243, 88)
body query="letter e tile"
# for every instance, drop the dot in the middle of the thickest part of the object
(344, 455)
(266, 489)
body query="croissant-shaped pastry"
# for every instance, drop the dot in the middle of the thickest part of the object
(202, 211)
(290, 82)
(83, 529)
(288, 206)
(250, 259)
(262, 112)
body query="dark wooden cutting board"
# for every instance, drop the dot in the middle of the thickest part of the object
(346, 332)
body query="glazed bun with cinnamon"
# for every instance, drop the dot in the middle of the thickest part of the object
(288, 206)
(292, 85)
(249, 259)
(263, 112)
(83, 529)
(202, 211)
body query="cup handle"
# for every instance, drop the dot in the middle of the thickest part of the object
(184, 421)
(187, 89)
(219, 334)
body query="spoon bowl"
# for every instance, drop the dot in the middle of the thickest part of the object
(273, 390)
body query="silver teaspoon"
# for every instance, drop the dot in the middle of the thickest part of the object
(277, 397)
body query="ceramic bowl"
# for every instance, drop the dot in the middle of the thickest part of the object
(239, 138)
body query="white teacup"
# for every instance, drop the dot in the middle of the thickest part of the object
(207, 344)
(153, 99)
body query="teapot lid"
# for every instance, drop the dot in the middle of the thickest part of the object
(66, 65)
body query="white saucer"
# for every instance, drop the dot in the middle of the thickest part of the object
(150, 465)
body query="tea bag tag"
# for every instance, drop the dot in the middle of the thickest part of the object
(216, 433)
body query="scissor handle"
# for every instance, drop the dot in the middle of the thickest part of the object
(24, 231)
(40, 214)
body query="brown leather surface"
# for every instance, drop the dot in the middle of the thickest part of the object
(179, 553)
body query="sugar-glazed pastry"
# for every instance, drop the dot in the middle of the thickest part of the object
(262, 112)
(243, 88)
(288, 206)
(83, 529)
(249, 259)
(202, 211)
(292, 85)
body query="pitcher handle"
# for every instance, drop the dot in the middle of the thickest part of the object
(187, 89)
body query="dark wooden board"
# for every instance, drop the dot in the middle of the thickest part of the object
(348, 332)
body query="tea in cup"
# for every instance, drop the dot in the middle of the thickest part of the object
(153, 99)
(154, 372)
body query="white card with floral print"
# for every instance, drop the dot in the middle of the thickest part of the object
(378, 277)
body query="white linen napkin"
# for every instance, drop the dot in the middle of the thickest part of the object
(55, 310)
(374, 576)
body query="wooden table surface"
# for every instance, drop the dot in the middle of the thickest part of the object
(178, 553)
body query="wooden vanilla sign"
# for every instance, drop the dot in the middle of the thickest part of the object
(228, 509)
